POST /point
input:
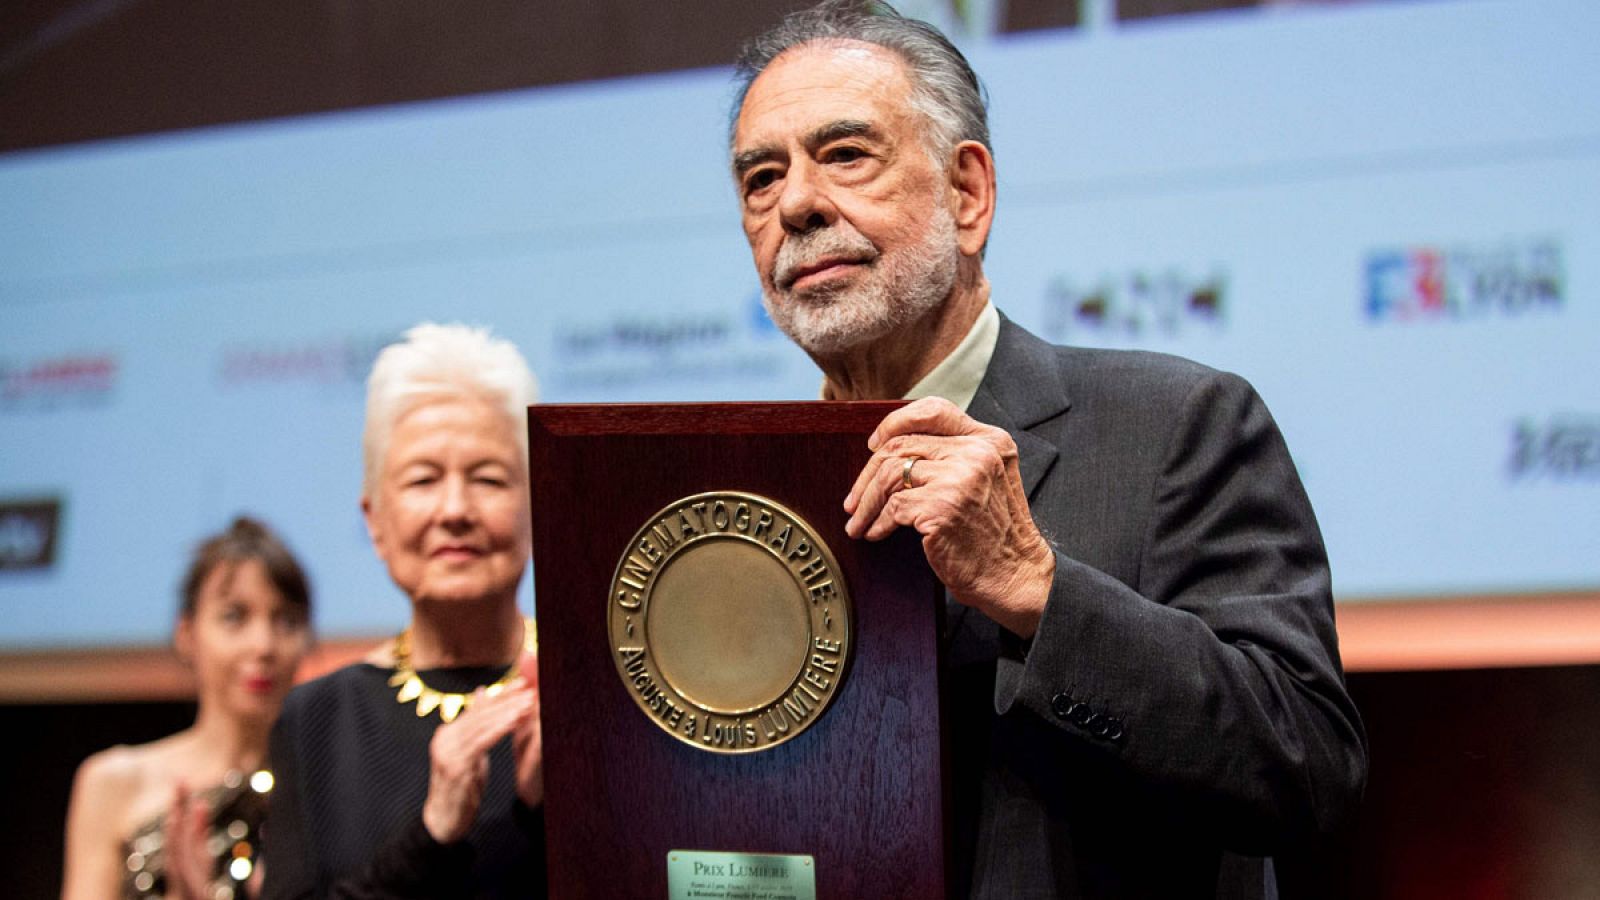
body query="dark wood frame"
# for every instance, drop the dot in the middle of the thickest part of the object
(862, 791)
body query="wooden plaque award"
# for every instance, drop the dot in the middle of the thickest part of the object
(739, 701)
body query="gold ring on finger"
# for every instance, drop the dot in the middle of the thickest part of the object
(905, 471)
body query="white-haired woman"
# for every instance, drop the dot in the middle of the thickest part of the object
(418, 771)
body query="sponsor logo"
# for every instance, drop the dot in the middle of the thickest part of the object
(1431, 284)
(631, 336)
(1565, 448)
(650, 353)
(1139, 304)
(339, 360)
(28, 534)
(75, 380)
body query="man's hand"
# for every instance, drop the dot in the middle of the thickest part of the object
(965, 498)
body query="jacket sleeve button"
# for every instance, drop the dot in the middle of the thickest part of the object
(1060, 704)
(1113, 731)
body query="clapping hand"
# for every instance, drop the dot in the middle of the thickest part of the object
(459, 758)
(189, 863)
(528, 737)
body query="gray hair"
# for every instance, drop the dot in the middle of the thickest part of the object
(944, 89)
(435, 362)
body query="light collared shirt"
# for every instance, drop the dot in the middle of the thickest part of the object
(957, 376)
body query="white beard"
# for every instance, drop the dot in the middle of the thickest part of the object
(895, 290)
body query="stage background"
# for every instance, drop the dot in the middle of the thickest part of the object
(1382, 213)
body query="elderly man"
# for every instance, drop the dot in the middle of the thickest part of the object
(1144, 694)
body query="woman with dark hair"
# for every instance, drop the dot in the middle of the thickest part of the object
(180, 817)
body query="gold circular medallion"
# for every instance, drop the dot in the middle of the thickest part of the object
(730, 622)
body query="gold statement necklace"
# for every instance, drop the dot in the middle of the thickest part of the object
(449, 704)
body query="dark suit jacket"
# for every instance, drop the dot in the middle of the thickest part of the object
(1182, 699)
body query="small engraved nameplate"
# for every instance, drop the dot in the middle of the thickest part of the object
(707, 875)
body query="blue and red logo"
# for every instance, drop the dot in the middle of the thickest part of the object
(1430, 284)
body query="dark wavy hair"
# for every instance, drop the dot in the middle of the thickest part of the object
(246, 539)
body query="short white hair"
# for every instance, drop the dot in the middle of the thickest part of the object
(434, 362)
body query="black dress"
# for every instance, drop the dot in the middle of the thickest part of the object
(352, 775)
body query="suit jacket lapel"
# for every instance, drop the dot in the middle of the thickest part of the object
(1022, 388)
